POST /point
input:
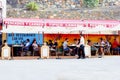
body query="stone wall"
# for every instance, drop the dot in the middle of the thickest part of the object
(60, 3)
(70, 9)
(101, 14)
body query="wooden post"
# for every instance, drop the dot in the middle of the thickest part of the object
(12, 43)
(39, 37)
(119, 35)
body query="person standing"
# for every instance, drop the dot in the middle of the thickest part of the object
(81, 52)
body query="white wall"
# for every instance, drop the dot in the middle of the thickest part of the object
(3, 6)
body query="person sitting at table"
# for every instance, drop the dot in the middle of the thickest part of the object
(115, 46)
(50, 44)
(66, 48)
(93, 48)
(35, 45)
(55, 44)
(52, 47)
(101, 44)
(27, 45)
(107, 46)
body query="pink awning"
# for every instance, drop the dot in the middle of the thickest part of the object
(23, 22)
(0, 20)
(60, 23)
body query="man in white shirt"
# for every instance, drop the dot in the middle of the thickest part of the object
(81, 52)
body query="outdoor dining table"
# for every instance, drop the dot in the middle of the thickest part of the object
(17, 48)
(98, 46)
(72, 46)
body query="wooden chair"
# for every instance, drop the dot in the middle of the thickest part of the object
(107, 50)
(53, 51)
(27, 51)
(36, 52)
(59, 52)
(115, 51)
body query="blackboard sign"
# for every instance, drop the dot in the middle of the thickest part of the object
(18, 38)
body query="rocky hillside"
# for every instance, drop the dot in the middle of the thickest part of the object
(64, 9)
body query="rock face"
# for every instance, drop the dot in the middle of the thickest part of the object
(64, 9)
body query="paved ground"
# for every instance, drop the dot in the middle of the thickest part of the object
(107, 68)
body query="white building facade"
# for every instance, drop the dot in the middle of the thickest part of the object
(2, 9)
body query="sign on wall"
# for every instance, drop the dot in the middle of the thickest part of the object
(18, 38)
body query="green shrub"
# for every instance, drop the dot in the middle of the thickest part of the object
(32, 6)
(91, 3)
